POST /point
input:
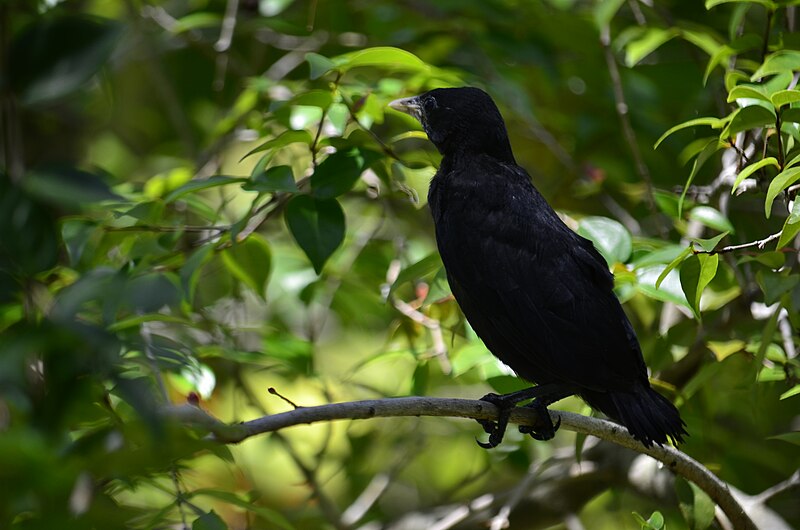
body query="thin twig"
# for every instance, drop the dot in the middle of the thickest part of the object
(674, 459)
(621, 107)
(168, 229)
(761, 243)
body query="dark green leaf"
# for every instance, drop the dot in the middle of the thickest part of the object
(319, 65)
(277, 178)
(317, 226)
(67, 186)
(696, 273)
(250, 261)
(189, 271)
(149, 293)
(55, 56)
(209, 521)
(775, 284)
(339, 172)
(712, 147)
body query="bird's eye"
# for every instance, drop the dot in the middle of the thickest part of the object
(429, 104)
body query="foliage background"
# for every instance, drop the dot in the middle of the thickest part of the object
(145, 260)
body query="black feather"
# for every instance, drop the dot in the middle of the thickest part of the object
(539, 295)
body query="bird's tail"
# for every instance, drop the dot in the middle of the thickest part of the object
(649, 416)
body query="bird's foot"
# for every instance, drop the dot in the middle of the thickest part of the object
(496, 429)
(544, 429)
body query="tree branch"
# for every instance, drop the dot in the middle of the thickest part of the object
(674, 459)
(761, 243)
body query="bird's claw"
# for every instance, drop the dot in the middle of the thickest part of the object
(544, 429)
(495, 429)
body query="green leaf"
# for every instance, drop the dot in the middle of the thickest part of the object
(209, 521)
(340, 171)
(610, 238)
(422, 268)
(782, 180)
(766, 3)
(189, 272)
(795, 390)
(775, 284)
(650, 41)
(711, 243)
(712, 218)
(791, 227)
(785, 97)
(748, 92)
(317, 226)
(319, 64)
(714, 123)
(712, 147)
(277, 178)
(250, 261)
(284, 139)
(604, 11)
(384, 56)
(194, 21)
(695, 504)
(688, 251)
(791, 115)
(752, 168)
(790, 437)
(696, 273)
(202, 184)
(748, 118)
(55, 56)
(778, 62)
(66, 186)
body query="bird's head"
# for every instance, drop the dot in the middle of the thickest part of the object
(458, 120)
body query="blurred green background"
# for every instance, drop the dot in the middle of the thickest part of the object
(202, 199)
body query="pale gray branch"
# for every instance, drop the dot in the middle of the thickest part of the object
(674, 459)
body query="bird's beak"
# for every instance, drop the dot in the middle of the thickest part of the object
(410, 106)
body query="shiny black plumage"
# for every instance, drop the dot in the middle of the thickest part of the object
(538, 294)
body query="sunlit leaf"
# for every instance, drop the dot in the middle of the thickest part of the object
(712, 218)
(791, 227)
(785, 97)
(650, 41)
(284, 139)
(714, 123)
(677, 260)
(610, 238)
(778, 62)
(766, 3)
(202, 184)
(695, 504)
(780, 182)
(752, 168)
(711, 243)
(748, 118)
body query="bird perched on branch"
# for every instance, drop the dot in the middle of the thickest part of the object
(538, 294)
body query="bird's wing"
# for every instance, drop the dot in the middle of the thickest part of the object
(541, 297)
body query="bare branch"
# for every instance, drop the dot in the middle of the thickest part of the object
(761, 243)
(674, 459)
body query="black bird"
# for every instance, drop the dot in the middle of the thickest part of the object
(538, 294)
